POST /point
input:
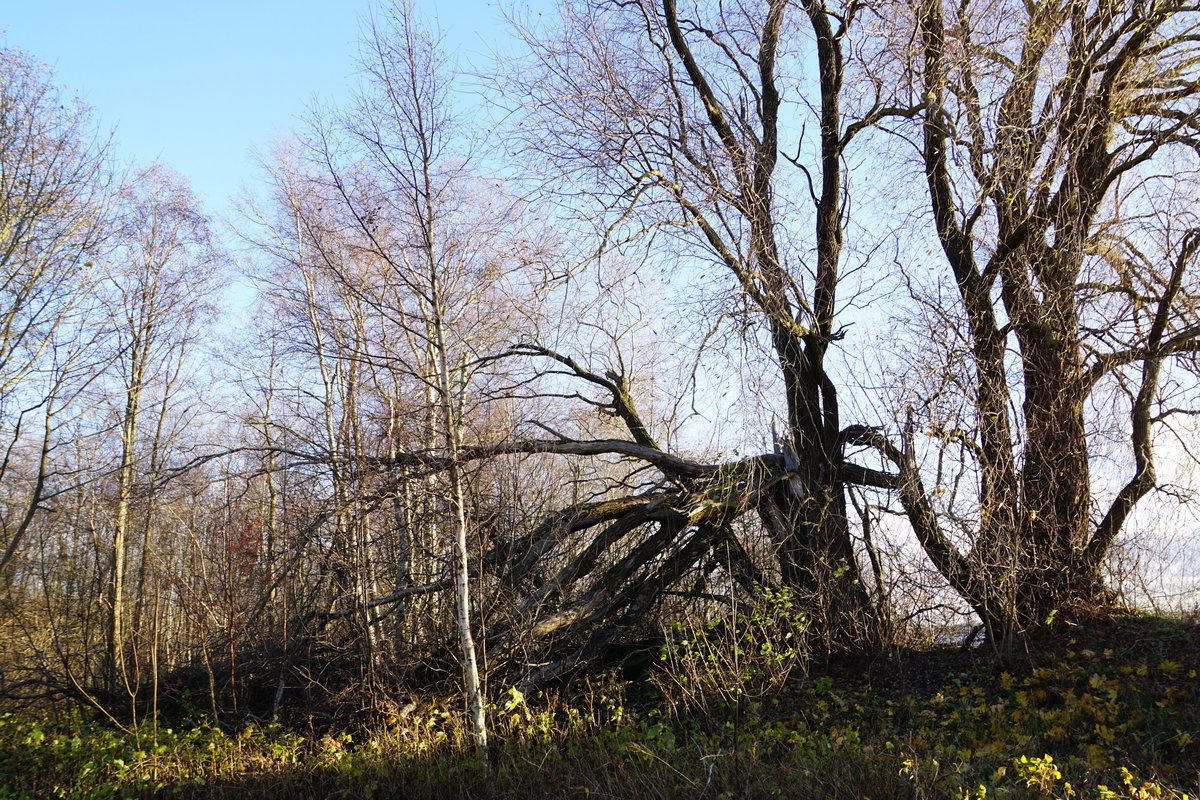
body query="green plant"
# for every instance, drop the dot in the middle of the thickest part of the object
(746, 654)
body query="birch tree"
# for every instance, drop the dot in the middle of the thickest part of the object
(390, 219)
(167, 270)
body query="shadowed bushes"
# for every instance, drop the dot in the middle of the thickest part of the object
(1109, 714)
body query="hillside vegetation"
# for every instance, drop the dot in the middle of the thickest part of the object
(1104, 711)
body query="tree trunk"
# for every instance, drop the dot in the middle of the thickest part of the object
(116, 676)
(451, 430)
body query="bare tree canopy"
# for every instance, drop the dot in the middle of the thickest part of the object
(55, 207)
(1059, 143)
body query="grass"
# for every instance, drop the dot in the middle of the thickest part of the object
(1110, 712)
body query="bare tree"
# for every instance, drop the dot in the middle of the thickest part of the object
(673, 120)
(405, 258)
(55, 204)
(1058, 144)
(166, 271)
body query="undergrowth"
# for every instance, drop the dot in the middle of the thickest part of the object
(1097, 719)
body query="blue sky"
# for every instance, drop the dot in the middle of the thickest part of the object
(200, 85)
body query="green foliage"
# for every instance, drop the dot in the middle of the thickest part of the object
(1091, 723)
(67, 756)
(747, 654)
(1092, 715)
